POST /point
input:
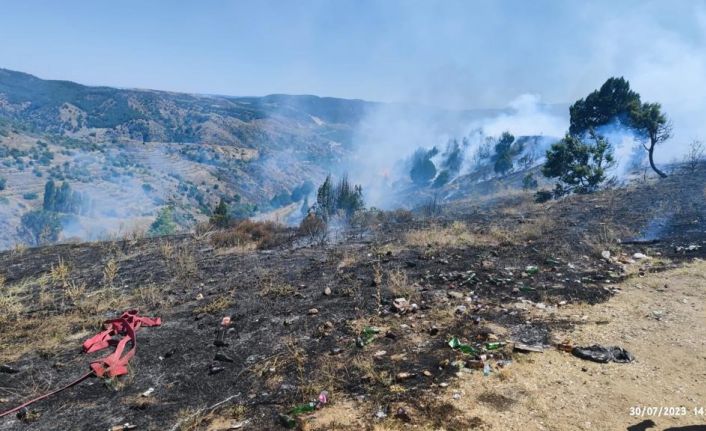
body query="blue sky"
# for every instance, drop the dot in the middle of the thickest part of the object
(445, 53)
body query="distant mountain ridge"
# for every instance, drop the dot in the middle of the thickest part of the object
(68, 108)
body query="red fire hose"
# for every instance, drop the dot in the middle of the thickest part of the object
(112, 365)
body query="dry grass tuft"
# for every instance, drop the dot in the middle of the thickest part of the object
(456, 235)
(10, 308)
(60, 273)
(216, 306)
(167, 250)
(110, 271)
(147, 296)
(185, 263)
(250, 234)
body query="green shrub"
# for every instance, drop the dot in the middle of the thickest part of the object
(163, 224)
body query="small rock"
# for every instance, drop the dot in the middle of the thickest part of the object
(405, 375)
(605, 254)
(215, 370)
(147, 393)
(454, 294)
(327, 291)
(640, 256)
(199, 296)
(336, 351)
(402, 415)
(239, 425)
(400, 304)
(220, 357)
(380, 353)
(312, 312)
(427, 373)
(8, 369)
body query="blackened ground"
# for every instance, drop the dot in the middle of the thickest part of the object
(283, 351)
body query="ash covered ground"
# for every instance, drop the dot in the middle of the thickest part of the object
(479, 270)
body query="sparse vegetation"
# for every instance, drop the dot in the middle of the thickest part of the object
(694, 157)
(251, 234)
(220, 216)
(163, 224)
(40, 227)
(343, 198)
(216, 306)
(314, 228)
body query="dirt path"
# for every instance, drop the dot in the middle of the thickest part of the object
(664, 327)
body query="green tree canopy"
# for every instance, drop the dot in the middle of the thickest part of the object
(423, 169)
(39, 227)
(579, 166)
(220, 216)
(502, 158)
(163, 224)
(613, 100)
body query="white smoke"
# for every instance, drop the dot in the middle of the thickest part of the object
(390, 134)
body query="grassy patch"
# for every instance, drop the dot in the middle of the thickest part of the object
(216, 306)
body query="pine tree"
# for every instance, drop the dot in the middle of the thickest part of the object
(220, 215)
(49, 196)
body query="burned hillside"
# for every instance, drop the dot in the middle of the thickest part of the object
(368, 318)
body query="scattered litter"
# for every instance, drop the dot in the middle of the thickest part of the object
(147, 393)
(640, 256)
(367, 335)
(602, 354)
(455, 344)
(522, 347)
(288, 420)
(401, 305)
(239, 425)
(124, 427)
(531, 269)
(486, 369)
(405, 375)
(380, 353)
(495, 345)
(215, 370)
